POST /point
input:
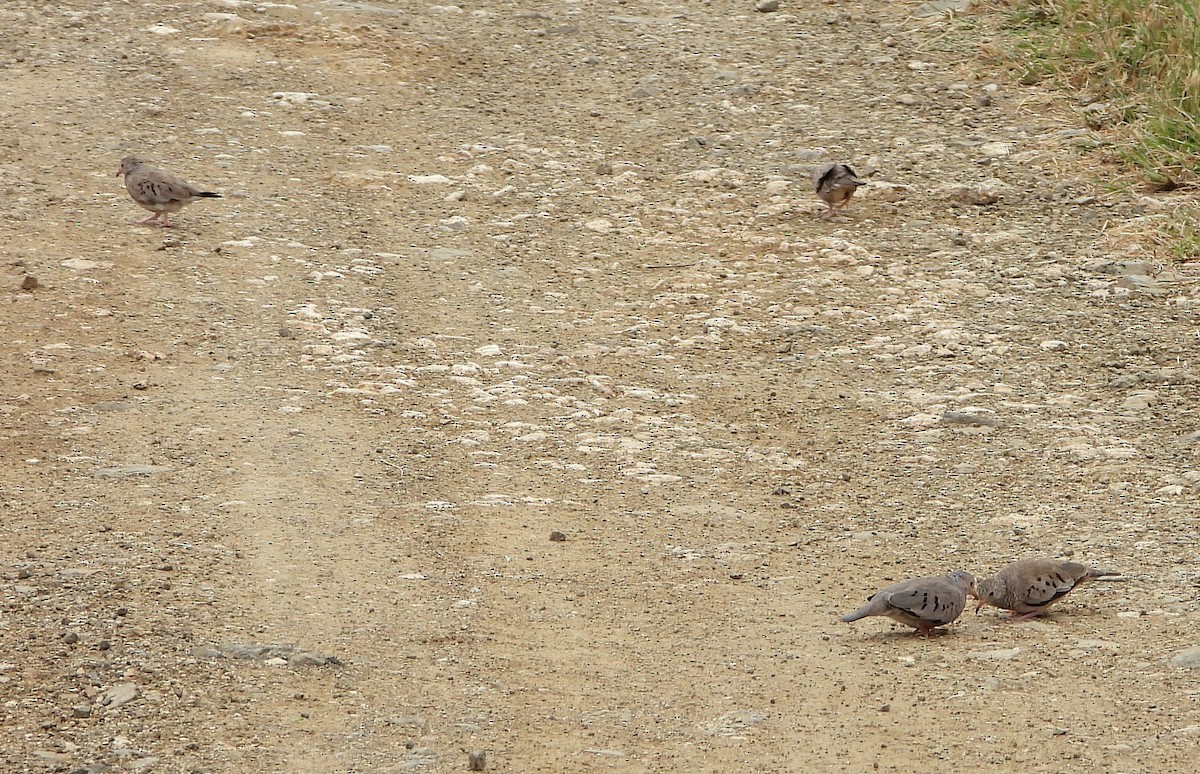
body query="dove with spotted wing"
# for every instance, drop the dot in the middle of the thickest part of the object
(157, 191)
(1030, 586)
(922, 603)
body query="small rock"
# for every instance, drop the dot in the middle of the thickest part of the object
(885, 708)
(994, 655)
(1139, 400)
(1122, 268)
(29, 283)
(121, 693)
(429, 180)
(70, 638)
(81, 711)
(766, 6)
(477, 760)
(125, 471)
(940, 8)
(303, 659)
(1188, 657)
(969, 418)
(980, 194)
(1054, 345)
(557, 536)
(1141, 284)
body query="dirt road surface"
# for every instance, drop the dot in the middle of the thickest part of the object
(281, 486)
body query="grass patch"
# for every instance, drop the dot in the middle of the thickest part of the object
(1136, 67)
(1139, 60)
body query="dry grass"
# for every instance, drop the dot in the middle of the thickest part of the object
(1138, 61)
(1136, 67)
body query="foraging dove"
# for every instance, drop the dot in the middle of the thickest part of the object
(835, 183)
(160, 192)
(923, 603)
(1030, 586)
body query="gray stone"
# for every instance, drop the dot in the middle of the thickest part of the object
(766, 6)
(969, 418)
(121, 693)
(1142, 284)
(304, 658)
(1188, 658)
(125, 471)
(994, 655)
(940, 8)
(1122, 268)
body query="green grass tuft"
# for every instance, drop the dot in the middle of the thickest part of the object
(1136, 67)
(1141, 56)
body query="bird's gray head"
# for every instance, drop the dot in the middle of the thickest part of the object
(964, 579)
(128, 164)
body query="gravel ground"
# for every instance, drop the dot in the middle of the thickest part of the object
(517, 398)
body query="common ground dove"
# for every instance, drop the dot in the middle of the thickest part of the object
(923, 603)
(1030, 586)
(835, 183)
(160, 192)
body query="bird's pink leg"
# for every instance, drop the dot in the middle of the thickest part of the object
(166, 219)
(153, 216)
(926, 633)
(1014, 618)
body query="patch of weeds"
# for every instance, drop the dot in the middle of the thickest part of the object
(1136, 66)
(1182, 232)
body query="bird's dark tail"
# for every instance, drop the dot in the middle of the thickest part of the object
(210, 195)
(862, 612)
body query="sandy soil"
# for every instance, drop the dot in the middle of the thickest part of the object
(487, 272)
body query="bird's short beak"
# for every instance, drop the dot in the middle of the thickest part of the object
(118, 173)
(979, 606)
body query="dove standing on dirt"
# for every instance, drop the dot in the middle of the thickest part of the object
(835, 183)
(1030, 586)
(923, 603)
(160, 192)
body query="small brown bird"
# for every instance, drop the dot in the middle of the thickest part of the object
(835, 183)
(160, 192)
(1030, 586)
(922, 603)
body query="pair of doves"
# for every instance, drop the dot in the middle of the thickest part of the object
(1027, 588)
